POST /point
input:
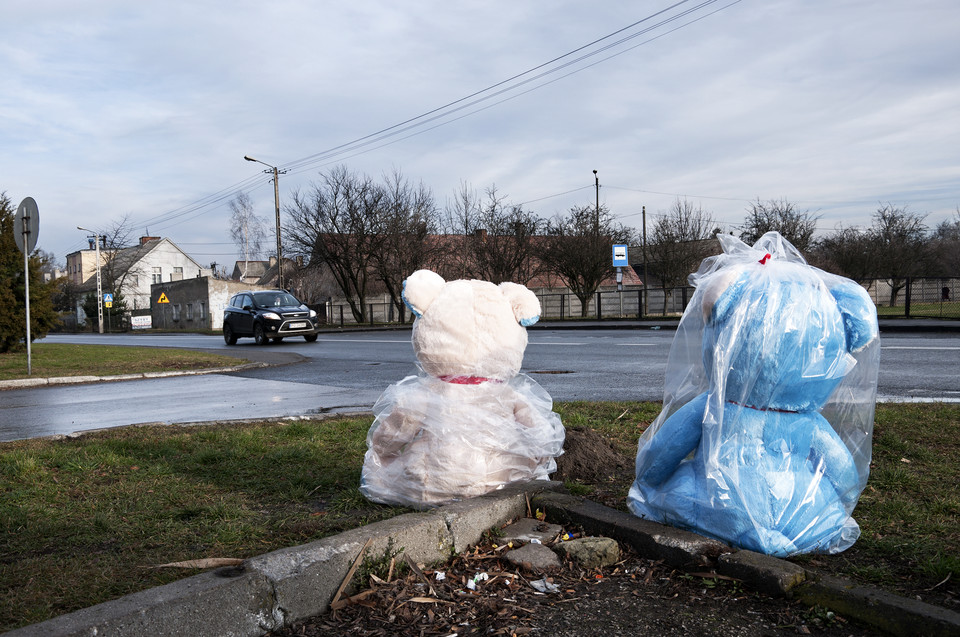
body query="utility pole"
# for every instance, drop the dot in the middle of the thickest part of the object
(96, 238)
(597, 220)
(276, 198)
(646, 295)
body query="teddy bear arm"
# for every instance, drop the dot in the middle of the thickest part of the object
(838, 464)
(677, 437)
(395, 431)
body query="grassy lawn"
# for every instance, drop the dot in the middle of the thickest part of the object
(947, 310)
(56, 359)
(85, 520)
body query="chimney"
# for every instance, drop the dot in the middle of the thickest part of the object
(273, 261)
(144, 240)
(480, 233)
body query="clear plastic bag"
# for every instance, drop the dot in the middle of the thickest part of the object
(435, 441)
(764, 440)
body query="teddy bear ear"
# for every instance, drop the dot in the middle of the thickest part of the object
(715, 303)
(525, 304)
(420, 289)
(858, 312)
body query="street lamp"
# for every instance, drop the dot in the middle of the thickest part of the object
(96, 238)
(276, 199)
(597, 181)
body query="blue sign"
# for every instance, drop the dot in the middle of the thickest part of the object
(620, 256)
(108, 298)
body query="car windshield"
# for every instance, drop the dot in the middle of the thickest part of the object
(274, 299)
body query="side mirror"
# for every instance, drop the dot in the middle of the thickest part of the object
(248, 308)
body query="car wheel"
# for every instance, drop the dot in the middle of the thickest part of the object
(228, 336)
(310, 338)
(259, 336)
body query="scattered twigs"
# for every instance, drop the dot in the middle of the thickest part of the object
(353, 569)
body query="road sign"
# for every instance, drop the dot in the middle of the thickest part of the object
(108, 298)
(26, 225)
(163, 298)
(620, 256)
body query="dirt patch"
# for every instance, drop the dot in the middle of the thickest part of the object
(590, 458)
(480, 593)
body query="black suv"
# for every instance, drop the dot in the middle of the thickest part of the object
(268, 315)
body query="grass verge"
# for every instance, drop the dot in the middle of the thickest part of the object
(59, 359)
(84, 520)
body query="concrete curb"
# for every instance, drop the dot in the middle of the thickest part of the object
(887, 612)
(26, 383)
(272, 590)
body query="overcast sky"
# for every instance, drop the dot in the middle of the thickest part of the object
(112, 108)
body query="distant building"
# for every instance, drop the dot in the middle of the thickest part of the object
(263, 273)
(134, 268)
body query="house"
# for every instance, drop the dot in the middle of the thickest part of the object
(132, 270)
(249, 271)
(263, 273)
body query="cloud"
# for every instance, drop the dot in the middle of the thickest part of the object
(112, 108)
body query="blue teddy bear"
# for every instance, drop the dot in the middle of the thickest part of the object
(750, 459)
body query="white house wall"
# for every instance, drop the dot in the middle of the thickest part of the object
(167, 257)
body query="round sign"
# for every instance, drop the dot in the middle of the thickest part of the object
(26, 225)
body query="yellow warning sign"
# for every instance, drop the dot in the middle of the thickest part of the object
(108, 304)
(163, 298)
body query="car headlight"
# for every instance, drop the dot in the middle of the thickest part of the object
(313, 314)
(273, 316)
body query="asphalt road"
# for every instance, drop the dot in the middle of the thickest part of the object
(347, 371)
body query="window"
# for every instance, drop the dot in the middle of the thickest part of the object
(177, 274)
(176, 311)
(200, 314)
(157, 276)
(189, 311)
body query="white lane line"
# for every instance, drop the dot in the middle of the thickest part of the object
(918, 347)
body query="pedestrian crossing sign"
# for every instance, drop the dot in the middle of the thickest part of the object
(163, 298)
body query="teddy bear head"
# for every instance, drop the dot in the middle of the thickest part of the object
(469, 329)
(778, 334)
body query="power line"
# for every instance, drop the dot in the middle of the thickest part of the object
(417, 125)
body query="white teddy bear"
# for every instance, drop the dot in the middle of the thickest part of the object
(470, 423)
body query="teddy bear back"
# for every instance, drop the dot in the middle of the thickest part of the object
(777, 339)
(470, 328)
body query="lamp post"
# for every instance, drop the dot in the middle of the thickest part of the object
(596, 180)
(276, 198)
(96, 238)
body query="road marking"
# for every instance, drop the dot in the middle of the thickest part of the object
(565, 344)
(934, 349)
(359, 340)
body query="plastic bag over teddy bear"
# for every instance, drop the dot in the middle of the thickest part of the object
(470, 422)
(765, 435)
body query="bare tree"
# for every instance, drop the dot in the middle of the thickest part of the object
(900, 246)
(118, 255)
(338, 223)
(246, 228)
(945, 249)
(496, 237)
(409, 219)
(847, 251)
(578, 247)
(679, 243)
(794, 225)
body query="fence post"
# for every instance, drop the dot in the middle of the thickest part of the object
(906, 308)
(599, 306)
(341, 315)
(370, 307)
